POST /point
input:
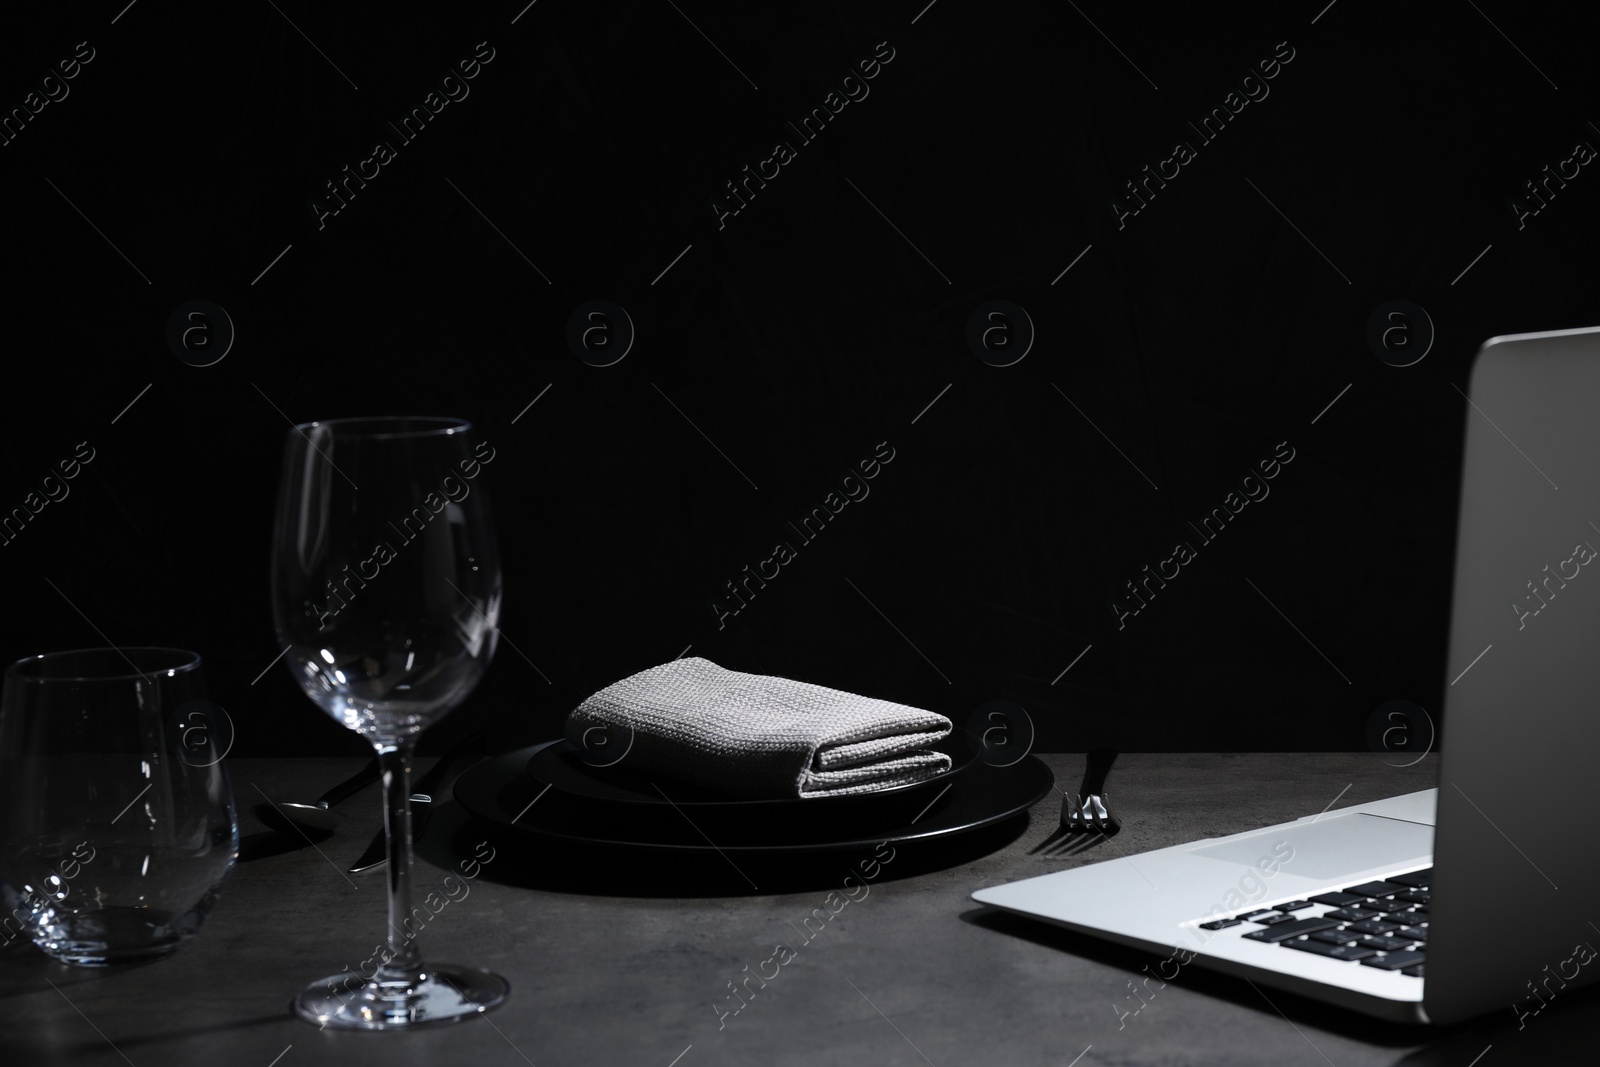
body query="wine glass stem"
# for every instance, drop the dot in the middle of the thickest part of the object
(394, 764)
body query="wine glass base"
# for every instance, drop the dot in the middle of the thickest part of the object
(444, 993)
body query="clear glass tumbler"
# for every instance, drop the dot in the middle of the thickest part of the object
(117, 822)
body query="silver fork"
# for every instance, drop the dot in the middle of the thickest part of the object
(1090, 811)
(1087, 811)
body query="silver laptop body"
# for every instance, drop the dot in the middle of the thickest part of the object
(1512, 829)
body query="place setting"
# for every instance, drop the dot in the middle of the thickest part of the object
(120, 824)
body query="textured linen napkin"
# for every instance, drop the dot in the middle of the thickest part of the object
(759, 736)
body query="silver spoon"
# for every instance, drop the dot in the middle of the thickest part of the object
(318, 816)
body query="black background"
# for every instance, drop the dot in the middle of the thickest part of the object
(1175, 354)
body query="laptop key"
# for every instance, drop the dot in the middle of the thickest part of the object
(1373, 926)
(1273, 919)
(1415, 970)
(1377, 889)
(1415, 896)
(1418, 879)
(1293, 928)
(1383, 944)
(1337, 900)
(1415, 933)
(1388, 905)
(1333, 952)
(1393, 961)
(1221, 924)
(1258, 911)
(1294, 905)
(1351, 915)
(1340, 936)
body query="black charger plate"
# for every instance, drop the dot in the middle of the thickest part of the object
(501, 791)
(559, 765)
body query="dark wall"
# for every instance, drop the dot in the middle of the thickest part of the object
(1189, 342)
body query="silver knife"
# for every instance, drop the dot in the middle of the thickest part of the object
(377, 853)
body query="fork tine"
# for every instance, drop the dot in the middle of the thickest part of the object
(1105, 820)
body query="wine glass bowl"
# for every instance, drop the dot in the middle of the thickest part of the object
(386, 593)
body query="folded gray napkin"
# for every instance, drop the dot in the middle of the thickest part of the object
(759, 736)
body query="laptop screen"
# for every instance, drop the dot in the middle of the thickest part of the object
(1516, 877)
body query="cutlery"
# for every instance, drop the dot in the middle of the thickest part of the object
(1086, 816)
(1087, 812)
(318, 817)
(376, 853)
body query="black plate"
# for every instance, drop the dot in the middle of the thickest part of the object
(502, 792)
(558, 764)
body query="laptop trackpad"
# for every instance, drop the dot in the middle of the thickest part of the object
(1331, 848)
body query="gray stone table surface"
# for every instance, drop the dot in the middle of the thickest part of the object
(610, 964)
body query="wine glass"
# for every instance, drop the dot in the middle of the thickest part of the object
(386, 590)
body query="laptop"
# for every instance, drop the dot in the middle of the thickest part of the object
(1481, 894)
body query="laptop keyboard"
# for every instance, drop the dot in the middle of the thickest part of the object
(1380, 924)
